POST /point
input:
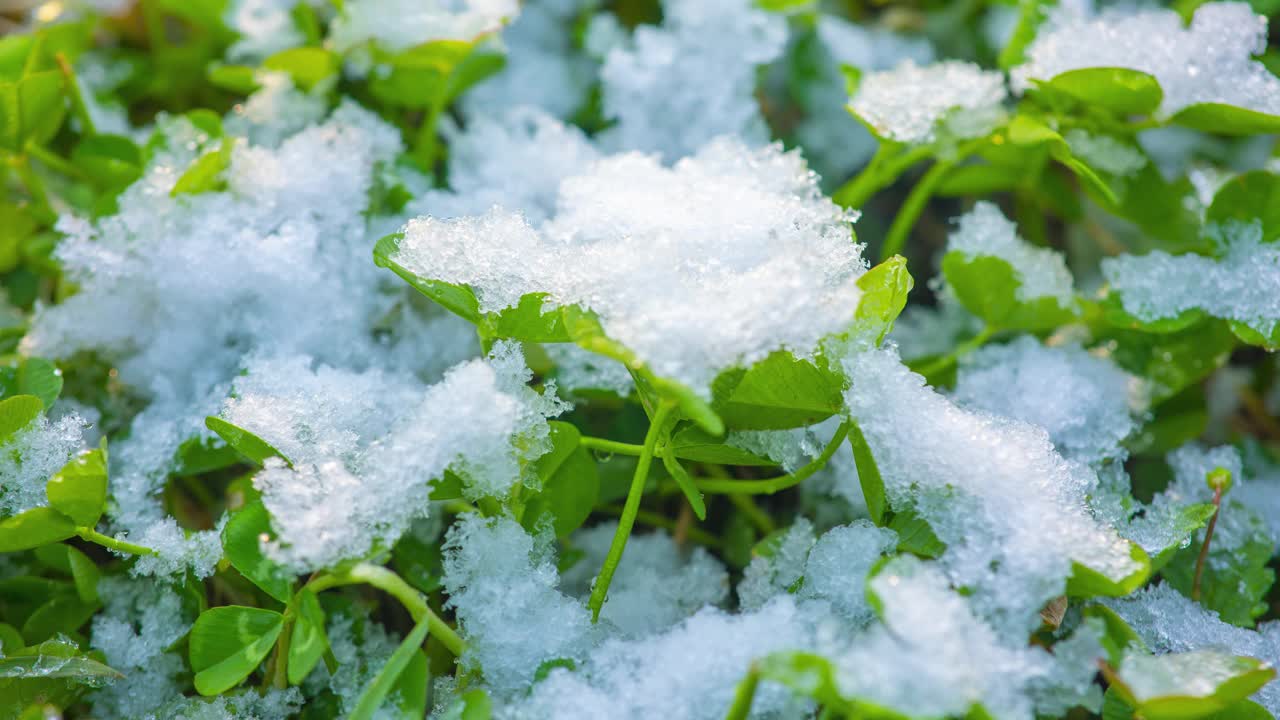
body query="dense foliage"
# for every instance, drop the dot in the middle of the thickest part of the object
(485, 359)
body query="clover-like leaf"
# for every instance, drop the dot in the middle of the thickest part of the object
(229, 642)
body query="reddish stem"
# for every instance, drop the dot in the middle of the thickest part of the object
(1204, 548)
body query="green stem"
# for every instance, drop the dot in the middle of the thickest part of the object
(772, 485)
(425, 145)
(946, 361)
(280, 676)
(865, 184)
(392, 584)
(918, 198)
(745, 696)
(93, 536)
(886, 166)
(78, 105)
(653, 519)
(611, 446)
(629, 509)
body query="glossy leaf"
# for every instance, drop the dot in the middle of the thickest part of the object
(227, 643)
(63, 613)
(308, 66)
(778, 392)
(457, 299)
(1118, 90)
(1222, 119)
(205, 173)
(915, 535)
(884, 294)
(693, 443)
(16, 413)
(249, 445)
(67, 559)
(112, 162)
(241, 542)
(33, 528)
(1248, 198)
(79, 489)
(309, 640)
(1188, 685)
(1086, 581)
(869, 478)
(570, 483)
(32, 376)
(988, 287)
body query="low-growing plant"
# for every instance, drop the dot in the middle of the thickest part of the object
(486, 359)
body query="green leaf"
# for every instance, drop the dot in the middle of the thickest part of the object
(239, 79)
(249, 445)
(309, 66)
(988, 287)
(884, 294)
(79, 489)
(1222, 119)
(473, 705)
(198, 456)
(813, 676)
(693, 443)
(1188, 520)
(1118, 637)
(457, 299)
(227, 643)
(1173, 361)
(434, 74)
(32, 376)
(1243, 710)
(1252, 196)
(112, 162)
(16, 413)
(41, 666)
(380, 687)
(64, 614)
(1188, 685)
(204, 174)
(31, 108)
(71, 561)
(527, 322)
(915, 535)
(1025, 130)
(776, 393)
(1118, 90)
(1248, 335)
(1092, 582)
(241, 541)
(570, 483)
(33, 528)
(868, 475)
(1174, 422)
(309, 640)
